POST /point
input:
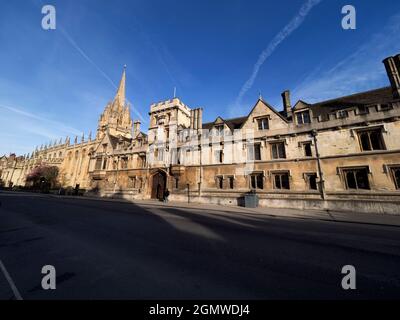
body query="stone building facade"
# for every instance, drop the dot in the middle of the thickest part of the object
(341, 154)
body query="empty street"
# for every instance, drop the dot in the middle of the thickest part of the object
(116, 250)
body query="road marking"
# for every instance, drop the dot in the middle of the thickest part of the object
(10, 281)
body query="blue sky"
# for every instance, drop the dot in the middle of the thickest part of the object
(56, 83)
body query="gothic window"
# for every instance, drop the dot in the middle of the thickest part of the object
(357, 178)
(278, 150)
(371, 140)
(281, 180)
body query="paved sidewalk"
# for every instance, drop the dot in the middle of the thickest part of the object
(349, 217)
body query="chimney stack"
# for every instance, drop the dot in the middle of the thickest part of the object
(136, 128)
(392, 65)
(287, 107)
(200, 118)
(196, 118)
(191, 118)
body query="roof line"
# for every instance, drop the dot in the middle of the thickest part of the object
(225, 120)
(349, 96)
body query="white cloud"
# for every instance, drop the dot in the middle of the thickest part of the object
(362, 70)
(73, 43)
(35, 130)
(43, 120)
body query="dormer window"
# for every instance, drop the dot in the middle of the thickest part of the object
(219, 130)
(342, 114)
(303, 117)
(263, 124)
(386, 107)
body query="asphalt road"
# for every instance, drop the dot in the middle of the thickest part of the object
(113, 250)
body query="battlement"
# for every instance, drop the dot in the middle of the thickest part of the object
(169, 104)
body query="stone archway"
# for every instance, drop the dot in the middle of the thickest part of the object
(158, 185)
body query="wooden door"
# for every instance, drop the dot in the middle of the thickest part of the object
(158, 186)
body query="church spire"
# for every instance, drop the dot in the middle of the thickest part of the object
(116, 116)
(120, 97)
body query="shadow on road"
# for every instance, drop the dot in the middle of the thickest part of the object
(123, 250)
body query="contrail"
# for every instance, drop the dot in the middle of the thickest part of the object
(75, 45)
(281, 36)
(88, 59)
(59, 125)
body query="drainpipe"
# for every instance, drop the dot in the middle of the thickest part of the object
(314, 133)
(201, 166)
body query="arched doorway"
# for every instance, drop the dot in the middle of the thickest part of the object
(159, 183)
